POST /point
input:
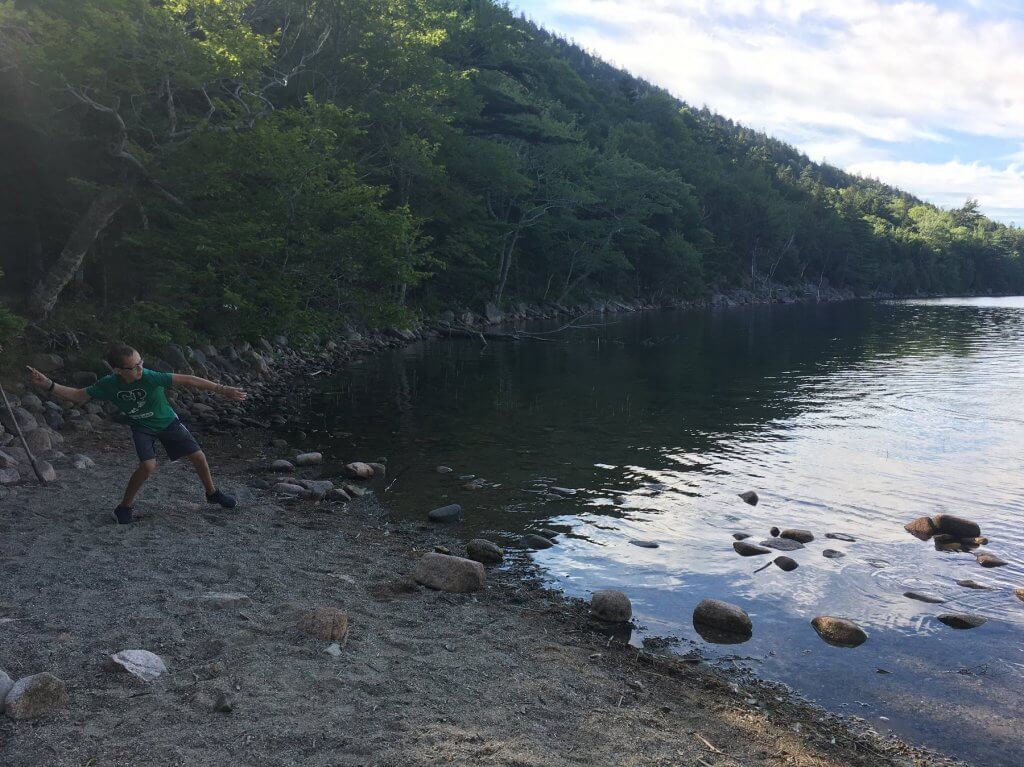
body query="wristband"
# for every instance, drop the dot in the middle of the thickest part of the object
(52, 384)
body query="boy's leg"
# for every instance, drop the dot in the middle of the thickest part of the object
(143, 472)
(198, 460)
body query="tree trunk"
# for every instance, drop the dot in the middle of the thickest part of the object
(88, 228)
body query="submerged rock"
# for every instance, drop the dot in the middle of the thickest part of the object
(741, 536)
(745, 549)
(801, 536)
(962, 620)
(645, 544)
(722, 622)
(832, 554)
(929, 598)
(611, 605)
(534, 541)
(841, 537)
(990, 560)
(839, 632)
(749, 496)
(448, 573)
(482, 550)
(967, 583)
(782, 544)
(450, 513)
(786, 564)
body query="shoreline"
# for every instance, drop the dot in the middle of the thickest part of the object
(513, 674)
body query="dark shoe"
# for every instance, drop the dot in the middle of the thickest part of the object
(122, 515)
(217, 496)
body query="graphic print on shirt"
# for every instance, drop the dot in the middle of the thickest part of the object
(137, 396)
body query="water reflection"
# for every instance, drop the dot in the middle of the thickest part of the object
(849, 419)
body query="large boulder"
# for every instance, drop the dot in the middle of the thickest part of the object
(722, 617)
(447, 573)
(611, 605)
(481, 550)
(840, 632)
(35, 695)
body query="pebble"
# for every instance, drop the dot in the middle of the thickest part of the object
(611, 605)
(962, 620)
(225, 703)
(333, 649)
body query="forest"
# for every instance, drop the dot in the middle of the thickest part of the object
(183, 169)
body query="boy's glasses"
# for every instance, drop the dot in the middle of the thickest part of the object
(137, 366)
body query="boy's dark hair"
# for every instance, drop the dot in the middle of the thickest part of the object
(117, 354)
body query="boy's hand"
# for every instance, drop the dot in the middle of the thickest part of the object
(37, 378)
(232, 392)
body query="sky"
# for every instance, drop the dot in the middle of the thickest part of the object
(927, 96)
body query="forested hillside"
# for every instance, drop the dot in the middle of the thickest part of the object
(187, 168)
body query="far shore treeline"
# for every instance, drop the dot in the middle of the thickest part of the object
(186, 169)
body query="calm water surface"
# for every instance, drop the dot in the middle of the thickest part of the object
(851, 418)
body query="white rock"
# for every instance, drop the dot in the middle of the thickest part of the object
(140, 663)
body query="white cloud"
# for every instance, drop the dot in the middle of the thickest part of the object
(828, 76)
(999, 191)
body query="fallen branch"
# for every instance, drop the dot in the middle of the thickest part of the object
(24, 444)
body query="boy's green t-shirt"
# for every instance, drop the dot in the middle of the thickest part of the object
(142, 401)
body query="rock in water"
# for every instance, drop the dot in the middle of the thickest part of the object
(741, 536)
(958, 527)
(745, 549)
(450, 513)
(444, 469)
(141, 664)
(750, 497)
(482, 550)
(611, 606)
(33, 696)
(722, 617)
(358, 470)
(990, 560)
(786, 564)
(534, 541)
(645, 544)
(782, 544)
(929, 598)
(962, 620)
(801, 536)
(832, 554)
(921, 528)
(969, 584)
(1019, 593)
(841, 537)
(774, 532)
(327, 623)
(309, 459)
(447, 573)
(380, 470)
(840, 632)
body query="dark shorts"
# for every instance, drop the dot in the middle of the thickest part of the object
(175, 438)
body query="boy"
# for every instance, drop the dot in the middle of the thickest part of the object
(139, 394)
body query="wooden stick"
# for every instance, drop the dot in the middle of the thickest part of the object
(24, 444)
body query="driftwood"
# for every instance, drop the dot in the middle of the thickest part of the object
(24, 444)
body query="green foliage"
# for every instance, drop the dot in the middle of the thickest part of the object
(297, 164)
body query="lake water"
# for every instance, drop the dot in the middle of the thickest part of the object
(851, 418)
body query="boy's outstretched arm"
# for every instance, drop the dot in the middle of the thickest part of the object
(69, 393)
(231, 392)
